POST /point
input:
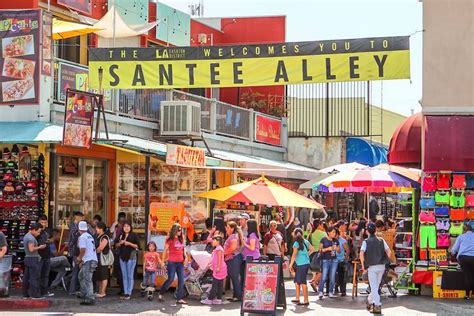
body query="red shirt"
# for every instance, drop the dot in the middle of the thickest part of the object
(151, 261)
(176, 250)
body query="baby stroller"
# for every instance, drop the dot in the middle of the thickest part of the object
(198, 274)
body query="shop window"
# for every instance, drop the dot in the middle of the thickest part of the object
(81, 186)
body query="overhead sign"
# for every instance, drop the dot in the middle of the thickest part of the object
(267, 130)
(78, 119)
(19, 60)
(251, 65)
(185, 156)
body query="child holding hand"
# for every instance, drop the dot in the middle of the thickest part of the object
(219, 273)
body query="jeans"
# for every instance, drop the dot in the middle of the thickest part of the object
(59, 265)
(149, 278)
(74, 276)
(85, 280)
(233, 270)
(44, 275)
(31, 277)
(329, 268)
(217, 289)
(375, 274)
(174, 268)
(341, 277)
(128, 272)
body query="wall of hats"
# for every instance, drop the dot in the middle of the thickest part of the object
(447, 202)
(22, 195)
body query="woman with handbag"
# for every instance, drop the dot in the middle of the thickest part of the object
(128, 244)
(105, 259)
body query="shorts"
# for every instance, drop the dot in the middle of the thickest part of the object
(427, 236)
(301, 274)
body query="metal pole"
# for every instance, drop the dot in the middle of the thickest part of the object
(327, 109)
(147, 196)
(113, 33)
(368, 108)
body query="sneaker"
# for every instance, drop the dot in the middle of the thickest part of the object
(377, 309)
(89, 302)
(320, 295)
(38, 298)
(217, 301)
(332, 295)
(369, 306)
(207, 302)
(126, 297)
(49, 294)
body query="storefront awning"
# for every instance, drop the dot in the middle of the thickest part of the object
(136, 144)
(273, 168)
(29, 133)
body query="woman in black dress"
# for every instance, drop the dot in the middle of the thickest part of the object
(101, 274)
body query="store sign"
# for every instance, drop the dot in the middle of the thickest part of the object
(261, 286)
(267, 130)
(78, 119)
(84, 6)
(251, 65)
(438, 292)
(185, 156)
(163, 216)
(20, 58)
(71, 77)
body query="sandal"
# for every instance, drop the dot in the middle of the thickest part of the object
(302, 304)
(295, 301)
(314, 287)
(182, 302)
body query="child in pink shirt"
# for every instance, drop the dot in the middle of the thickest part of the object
(219, 273)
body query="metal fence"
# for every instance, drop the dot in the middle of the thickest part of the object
(141, 103)
(205, 106)
(329, 109)
(232, 120)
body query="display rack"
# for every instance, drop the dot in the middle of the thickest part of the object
(404, 280)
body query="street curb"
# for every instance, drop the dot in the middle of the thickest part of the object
(19, 303)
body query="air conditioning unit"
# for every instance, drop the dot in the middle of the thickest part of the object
(180, 118)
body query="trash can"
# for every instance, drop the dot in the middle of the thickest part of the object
(5, 277)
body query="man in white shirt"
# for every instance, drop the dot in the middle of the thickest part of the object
(87, 261)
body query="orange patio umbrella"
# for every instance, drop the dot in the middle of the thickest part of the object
(261, 191)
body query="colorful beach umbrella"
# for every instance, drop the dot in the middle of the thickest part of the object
(365, 180)
(261, 191)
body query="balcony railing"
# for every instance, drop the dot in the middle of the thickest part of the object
(144, 104)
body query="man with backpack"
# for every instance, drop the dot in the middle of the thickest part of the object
(74, 250)
(374, 255)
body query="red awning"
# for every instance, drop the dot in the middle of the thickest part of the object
(405, 145)
(449, 143)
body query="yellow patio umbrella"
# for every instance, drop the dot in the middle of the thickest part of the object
(261, 191)
(65, 29)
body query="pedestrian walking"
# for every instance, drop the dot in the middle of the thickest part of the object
(31, 276)
(328, 247)
(233, 258)
(45, 255)
(299, 265)
(128, 244)
(175, 259)
(87, 263)
(101, 275)
(74, 251)
(219, 273)
(464, 249)
(151, 263)
(273, 242)
(374, 255)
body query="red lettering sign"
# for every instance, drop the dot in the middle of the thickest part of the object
(185, 156)
(267, 130)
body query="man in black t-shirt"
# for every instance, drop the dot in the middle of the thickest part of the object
(45, 254)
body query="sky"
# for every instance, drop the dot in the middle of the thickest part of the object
(341, 19)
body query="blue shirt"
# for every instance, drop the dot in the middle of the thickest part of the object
(302, 257)
(464, 245)
(340, 255)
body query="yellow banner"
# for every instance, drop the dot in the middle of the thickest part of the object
(250, 65)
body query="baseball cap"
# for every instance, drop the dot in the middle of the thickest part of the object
(371, 228)
(244, 216)
(83, 225)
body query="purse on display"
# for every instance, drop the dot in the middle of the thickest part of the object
(459, 181)
(442, 211)
(429, 183)
(427, 202)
